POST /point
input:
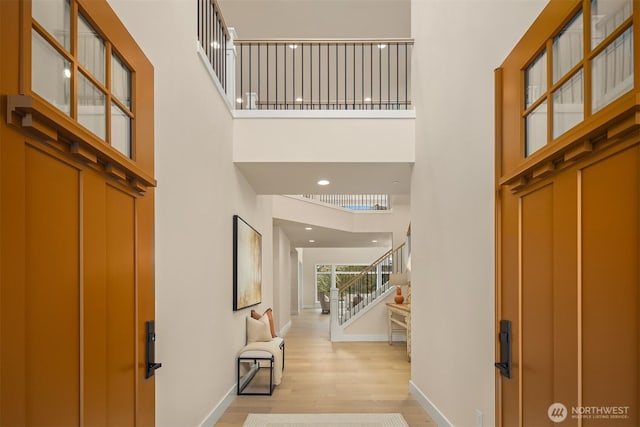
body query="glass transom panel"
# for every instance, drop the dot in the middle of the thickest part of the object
(91, 50)
(568, 104)
(536, 79)
(91, 107)
(120, 81)
(55, 17)
(612, 71)
(50, 73)
(536, 129)
(606, 17)
(568, 48)
(120, 130)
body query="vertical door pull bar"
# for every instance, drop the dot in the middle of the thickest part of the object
(151, 350)
(505, 349)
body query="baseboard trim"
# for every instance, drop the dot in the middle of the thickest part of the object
(433, 411)
(218, 410)
(365, 338)
(283, 331)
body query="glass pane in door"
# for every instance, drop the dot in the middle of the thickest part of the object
(91, 106)
(568, 105)
(55, 17)
(612, 71)
(91, 49)
(50, 73)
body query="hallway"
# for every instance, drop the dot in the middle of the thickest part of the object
(325, 377)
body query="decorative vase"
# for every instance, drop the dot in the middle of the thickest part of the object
(399, 299)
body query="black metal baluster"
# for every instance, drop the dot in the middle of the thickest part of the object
(250, 76)
(241, 75)
(286, 105)
(354, 76)
(388, 74)
(259, 96)
(397, 77)
(337, 82)
(319, 79)
(362, 75)
(406, 82)
(346, 107)
(328, 76)
(371, 74)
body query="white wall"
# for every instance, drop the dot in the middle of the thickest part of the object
(344, 140)
(293, 262)
(199, 190)
(281, 278)
(313, 256)
(457, 46)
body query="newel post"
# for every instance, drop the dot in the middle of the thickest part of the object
(334, 321)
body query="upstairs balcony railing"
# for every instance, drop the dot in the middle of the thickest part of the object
(214, 38)
(357, 202)
(322, 74)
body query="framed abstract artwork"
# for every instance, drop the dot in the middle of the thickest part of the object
(247, 265)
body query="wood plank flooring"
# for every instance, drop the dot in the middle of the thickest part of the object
(325, 377)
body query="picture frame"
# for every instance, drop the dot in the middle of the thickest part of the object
(247, 265)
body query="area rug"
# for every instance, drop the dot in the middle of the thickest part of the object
(321, 420)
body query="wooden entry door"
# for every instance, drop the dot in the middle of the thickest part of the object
(570, 251)
(76, 225)
(568, 258)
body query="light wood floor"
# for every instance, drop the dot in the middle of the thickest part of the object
(325, 377)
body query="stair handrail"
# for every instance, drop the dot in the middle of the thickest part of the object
(371, 267)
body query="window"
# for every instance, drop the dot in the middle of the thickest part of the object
(77, 70)
(323, 279)
(556, 87)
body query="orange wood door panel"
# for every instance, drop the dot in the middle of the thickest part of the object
(121, 301)
(95, 296)
(610, 325)
(508, 302)
(52, 312)
(537, 308)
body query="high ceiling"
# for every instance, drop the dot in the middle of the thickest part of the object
(330, 238)
(345, 178)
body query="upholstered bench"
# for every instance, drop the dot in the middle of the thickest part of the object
(263, 350)
(257, 359)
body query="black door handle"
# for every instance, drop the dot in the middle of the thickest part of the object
(151, 349)
(505, 349)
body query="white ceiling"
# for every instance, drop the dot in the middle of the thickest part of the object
(346, 178)
(330, 238)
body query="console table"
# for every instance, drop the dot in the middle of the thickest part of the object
(399, 319)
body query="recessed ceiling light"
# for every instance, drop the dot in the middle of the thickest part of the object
(374, 241)
(367, 99)
(238, 100)
(312, 241)
(396, 182)
(323, 182)
(382, 46)
(293, 46)
(308, 228)
(298, 99)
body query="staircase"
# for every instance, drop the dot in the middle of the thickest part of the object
(367, 288)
